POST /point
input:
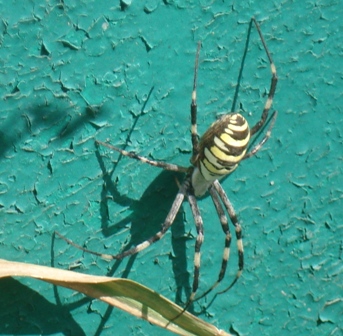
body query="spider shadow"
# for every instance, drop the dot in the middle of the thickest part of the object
(146, 220)
(146, 217)
(27, 311)
(240, 74)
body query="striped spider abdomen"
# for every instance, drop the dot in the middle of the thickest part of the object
(220, 150)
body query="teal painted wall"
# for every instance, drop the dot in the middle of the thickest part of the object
(72, 72)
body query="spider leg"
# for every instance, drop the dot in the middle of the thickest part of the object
(226, 230)
(273, 83)
(194, 131)
(238, 230)
(160, 164)
(199, 240)
(166, 225)
(264, 140)
(197, 254)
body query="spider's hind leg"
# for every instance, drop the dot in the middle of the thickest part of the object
(238, 231)
(218, 195)
(227, 244)
(199, 240)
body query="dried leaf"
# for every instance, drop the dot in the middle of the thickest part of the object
(125, 294)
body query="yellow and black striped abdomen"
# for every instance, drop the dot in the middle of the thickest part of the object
(223, 146)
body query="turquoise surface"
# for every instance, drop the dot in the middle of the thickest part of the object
(73, 71)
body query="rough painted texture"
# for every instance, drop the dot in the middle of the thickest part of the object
(73, 71)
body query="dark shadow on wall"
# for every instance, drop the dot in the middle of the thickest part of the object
(146, 218)
(24, 311)
(59, 119)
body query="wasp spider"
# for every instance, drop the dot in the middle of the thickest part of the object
(216, 155)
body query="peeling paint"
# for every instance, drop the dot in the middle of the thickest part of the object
(72, 72)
